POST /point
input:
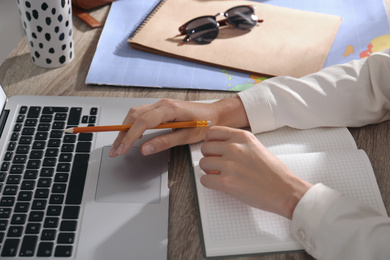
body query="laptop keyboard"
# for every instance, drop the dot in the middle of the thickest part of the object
(42, 178)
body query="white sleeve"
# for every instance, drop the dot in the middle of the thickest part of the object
(332, 226)
(353, 94)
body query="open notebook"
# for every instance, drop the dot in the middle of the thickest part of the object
(326, 155)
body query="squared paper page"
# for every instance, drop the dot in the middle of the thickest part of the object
(287, 140)
(232, 228)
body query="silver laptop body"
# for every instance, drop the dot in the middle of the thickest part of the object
(122, 212)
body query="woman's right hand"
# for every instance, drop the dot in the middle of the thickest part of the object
(228, 112)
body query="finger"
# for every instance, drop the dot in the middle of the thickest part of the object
(213, 164)
(146, 120)
(213, 148)
(212, 181)
(175, 138)
(220, 133)
(116, 144)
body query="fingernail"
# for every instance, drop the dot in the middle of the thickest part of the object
(111, 153)
(120, 149)
(148, 149)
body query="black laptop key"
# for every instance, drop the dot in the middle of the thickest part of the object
(46, 118)
(71, 212)
(93, 111)
(30, 174)
(7, 201)
(65, 238)
(63, 251)
(31, 122)
(20, 118)
(85, 136)
(36, 216)
(52, 110)
(8, 156)
(68, 225)
(16, 169)
(10, 247)
(51, 222)
(20, 159)
(5, 213)
(5, 166)
(25, 196)
(45, 249)
(58, 125)
(11, 146)
(22, 207)
(48, 234)
(15, 231)
(25, 140)
(22, 149)
(14, 136)
(18, 219)
(77, 179)
(17, 127)
(60, 117)
(83, 147)
(36, 154)
(67, 148)
(74, 116)
(33, 228)
(43, 127)
(41, 136)
(28, 131)
(29, 244)
(54, 210)
(56, 134)
(4, 223)
(14, 179)
(23, 110)
(34, 112)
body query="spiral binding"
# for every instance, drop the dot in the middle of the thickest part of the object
(146, 18)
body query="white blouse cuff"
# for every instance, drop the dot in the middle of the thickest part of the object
(309, 213)
(257, 105)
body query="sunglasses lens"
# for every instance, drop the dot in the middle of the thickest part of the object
(242, 17)
(202, 30)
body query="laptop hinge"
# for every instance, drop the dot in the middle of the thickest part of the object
(3, 120)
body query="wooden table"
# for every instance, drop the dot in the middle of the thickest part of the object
(18, 75)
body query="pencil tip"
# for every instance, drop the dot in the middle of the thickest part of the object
(68, 130)
(208, 123)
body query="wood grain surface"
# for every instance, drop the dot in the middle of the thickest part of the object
(19, 76)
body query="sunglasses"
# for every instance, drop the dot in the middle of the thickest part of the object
(205, 29)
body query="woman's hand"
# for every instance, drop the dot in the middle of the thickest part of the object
(236, 163)
(228, 111)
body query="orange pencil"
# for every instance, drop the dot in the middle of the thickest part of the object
(91, 129)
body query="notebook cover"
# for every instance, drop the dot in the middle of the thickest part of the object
(289, 42)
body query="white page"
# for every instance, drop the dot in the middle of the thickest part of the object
(287, 140)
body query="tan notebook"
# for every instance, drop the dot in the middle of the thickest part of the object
(289, 42)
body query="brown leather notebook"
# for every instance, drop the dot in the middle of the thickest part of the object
(288, 42)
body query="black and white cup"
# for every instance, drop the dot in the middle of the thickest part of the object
(49, 31)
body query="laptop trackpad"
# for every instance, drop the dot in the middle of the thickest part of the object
(130, 178)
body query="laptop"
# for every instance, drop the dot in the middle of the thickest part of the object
(61, 196)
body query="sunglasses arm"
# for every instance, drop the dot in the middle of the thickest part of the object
(225, 22)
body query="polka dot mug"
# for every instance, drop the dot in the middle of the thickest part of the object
(49, 31)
